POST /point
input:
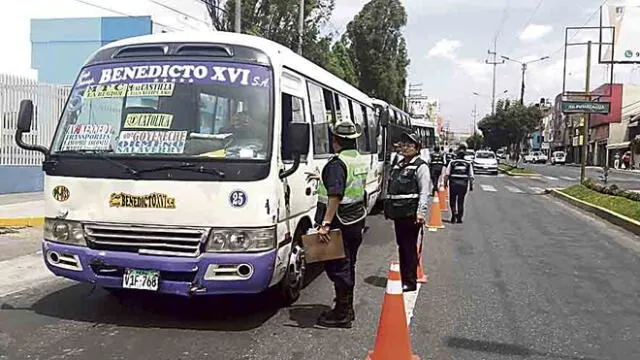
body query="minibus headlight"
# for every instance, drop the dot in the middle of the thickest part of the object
(241, 240)
(64, 231)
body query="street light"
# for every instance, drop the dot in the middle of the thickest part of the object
(524, 69)
(475, 107)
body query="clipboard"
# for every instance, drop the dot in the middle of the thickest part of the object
(317, 251)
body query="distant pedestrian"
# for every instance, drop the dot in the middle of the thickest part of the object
(626, 160)
(407, 205)
(459, 175)
(616, 161)
(436, 164)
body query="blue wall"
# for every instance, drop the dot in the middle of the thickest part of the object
(21, 179)
(59, 47)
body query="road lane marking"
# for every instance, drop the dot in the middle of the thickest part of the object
(568, 178)
(551, 178)
(410, 298)
(513, 189)
(488, 188)
(536, 189)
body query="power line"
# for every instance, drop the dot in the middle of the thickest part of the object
(505, 15)
(179, 12)
(578, 32)
(119, 12)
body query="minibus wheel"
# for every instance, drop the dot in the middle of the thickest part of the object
(293, 279)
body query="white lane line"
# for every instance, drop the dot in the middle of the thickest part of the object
(488, 188)
(551, 178)
(22, 273)
(568, 178)
(410, 299)
(536, 189)
(513, 189)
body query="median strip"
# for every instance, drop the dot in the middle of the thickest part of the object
(515, 171)
(22, 221)
(614, 209)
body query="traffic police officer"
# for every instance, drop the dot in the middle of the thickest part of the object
(406, 204)
(341, 206)
(459, 175)
(436, 164)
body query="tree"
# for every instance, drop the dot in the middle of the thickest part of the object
(378, 49)
(475, 141)
(510, 125)
(340, 64)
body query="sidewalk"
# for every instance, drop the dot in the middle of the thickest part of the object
(25, 209)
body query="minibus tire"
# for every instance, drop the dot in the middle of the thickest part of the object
(287, 291)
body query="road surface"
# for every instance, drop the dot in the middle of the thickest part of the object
(525, 277)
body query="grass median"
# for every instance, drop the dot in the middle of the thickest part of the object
(617, 204)
(510, 170)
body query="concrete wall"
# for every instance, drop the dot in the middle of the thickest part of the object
(60, 46)
(618, 133)
(20, 179)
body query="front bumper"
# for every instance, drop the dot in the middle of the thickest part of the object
(178, 275)
(492, 169)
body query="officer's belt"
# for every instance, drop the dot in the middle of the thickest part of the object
(403, 196)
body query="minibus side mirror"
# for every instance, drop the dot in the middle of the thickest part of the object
(298, 140)
(25, 118)
(384, 118)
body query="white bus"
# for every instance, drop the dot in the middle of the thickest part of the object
(181, 164)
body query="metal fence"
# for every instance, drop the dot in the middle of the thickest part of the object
(48, 103)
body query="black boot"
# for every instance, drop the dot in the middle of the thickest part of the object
(338, 317)
(459, 219)
(454, 218)
(352, 312)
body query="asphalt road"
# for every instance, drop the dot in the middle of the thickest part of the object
(625, 180)
(525, 277)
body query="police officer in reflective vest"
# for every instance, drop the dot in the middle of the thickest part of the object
(406, 204)
(459, 175)
(436, 164)
(341, 206)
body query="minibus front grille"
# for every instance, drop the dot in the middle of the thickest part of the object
(146, 240)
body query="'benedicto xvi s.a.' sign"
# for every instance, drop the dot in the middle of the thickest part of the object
(588, 107)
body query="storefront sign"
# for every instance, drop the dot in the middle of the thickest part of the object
(587, 107)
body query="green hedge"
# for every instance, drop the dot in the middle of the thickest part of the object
(612, 189)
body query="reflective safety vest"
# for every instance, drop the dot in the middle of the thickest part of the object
(460, 172)
(352, 207)
(403, 194)
(436, 164)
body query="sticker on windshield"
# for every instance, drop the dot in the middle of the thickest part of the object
(148, 121)
(87, 137)
(196, 72)
(105, 91)
(151, 89)
(151, 142)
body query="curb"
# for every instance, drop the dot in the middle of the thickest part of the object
(606, 214)
(26, 221)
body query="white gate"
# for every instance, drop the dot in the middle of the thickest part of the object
(48, 103)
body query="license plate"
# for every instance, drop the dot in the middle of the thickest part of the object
(141, 279)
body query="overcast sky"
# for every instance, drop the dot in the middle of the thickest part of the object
(448, 42)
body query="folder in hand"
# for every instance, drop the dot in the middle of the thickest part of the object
(317, 251)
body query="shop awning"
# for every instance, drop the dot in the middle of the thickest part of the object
(622, 145)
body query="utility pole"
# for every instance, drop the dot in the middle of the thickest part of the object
(495, 63)
(300, 26)
(587, 118)
(238, 16)
(524, 69)
(475, 117)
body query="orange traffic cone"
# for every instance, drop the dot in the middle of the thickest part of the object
(442, 197)
(422, 277)
(435, 220)
(392, 341)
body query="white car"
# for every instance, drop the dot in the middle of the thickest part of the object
(485, 161)
(528, 158)
(539, 157)
(558, 157)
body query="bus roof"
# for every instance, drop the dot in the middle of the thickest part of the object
(278, 54)
(386, 104)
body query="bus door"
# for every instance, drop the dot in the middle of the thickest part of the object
(299, 190)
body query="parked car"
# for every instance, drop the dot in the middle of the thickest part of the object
(485, 161)
(539, 157)
(501, 154)
(558, 157)
(528, 157)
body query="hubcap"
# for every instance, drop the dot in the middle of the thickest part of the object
(296, 266)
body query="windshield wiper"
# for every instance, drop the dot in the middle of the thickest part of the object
(100, 155)
(187, 167)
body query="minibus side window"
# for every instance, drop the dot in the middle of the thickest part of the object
(372, 121)
(292, 112)
(364, 146)
(320, 123)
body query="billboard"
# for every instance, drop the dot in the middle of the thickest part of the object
(419, 107)
(626, 21)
